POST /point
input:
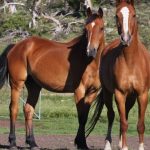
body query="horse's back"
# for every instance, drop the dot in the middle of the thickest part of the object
(35, 48)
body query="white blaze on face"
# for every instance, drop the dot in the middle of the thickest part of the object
(92, 24)
(125, 14)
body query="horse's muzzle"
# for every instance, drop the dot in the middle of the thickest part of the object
(91, 52)
(125, 39)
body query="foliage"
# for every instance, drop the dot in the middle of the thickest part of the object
(46, 28)
(75, 4)
(15, 22)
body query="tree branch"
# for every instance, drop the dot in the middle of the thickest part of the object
(7, 5)
(59, 27)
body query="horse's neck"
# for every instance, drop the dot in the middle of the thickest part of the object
(131, 52)
(76, 40)
(81, 44)
(99, 53)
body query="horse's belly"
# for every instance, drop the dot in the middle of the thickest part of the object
(54, 82)
(56, 73)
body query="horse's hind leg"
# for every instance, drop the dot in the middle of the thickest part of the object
(108, 99)
(33, 94)
(16, 87)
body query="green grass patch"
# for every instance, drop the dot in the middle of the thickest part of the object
(59, 116)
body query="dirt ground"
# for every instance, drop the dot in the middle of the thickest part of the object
(66, 142)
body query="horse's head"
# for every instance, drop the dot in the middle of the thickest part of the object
(126, 20)
(95, 31)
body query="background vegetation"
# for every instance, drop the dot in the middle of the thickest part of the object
(58, 112)
(62, 20)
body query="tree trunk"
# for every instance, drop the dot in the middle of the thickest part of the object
(88, 3)
(35, 14)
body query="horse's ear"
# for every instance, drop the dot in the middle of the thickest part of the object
(100, 12)
(118, 2)
(89, 12)
(132, 2)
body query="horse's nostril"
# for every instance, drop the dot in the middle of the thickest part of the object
(129, 37)
(94, 50)
(125, 39)
(91, 52)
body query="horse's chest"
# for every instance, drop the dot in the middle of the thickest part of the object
(129, 82)
(91, 77)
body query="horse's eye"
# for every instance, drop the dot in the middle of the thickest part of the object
(134, 16)
(116, 17)
(102, 28)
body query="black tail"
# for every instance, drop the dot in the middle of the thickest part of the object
(97, 112)
(3, 65)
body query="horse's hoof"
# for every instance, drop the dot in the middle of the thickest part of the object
(35, 148)
(82, 147)
(13, 148)
(107, 145)
(124, 148)
(80, 144)
(141, 146)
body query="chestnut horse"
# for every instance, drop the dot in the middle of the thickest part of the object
(60, 67)
(124, 72)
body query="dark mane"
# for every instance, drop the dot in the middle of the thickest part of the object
(92, 18)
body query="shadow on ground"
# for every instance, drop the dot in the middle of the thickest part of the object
(28, 148)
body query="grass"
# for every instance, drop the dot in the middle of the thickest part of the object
(58, 116)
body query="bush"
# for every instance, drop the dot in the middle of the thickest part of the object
(17, 21)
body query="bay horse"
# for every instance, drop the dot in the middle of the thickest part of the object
(124, 72)
(59, 67)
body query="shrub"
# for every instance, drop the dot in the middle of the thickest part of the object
(14, 22)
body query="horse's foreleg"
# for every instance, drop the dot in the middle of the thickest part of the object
(120, 100)
(83, 104)
(130, 101)
(15, 93)
(33, 94)
(142, 103)
(110, 115)
(82, 110)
